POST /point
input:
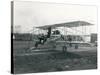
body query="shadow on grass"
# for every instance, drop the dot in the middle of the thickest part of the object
(64, 55)
(21, 60)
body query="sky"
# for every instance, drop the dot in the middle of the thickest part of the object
(29, 14)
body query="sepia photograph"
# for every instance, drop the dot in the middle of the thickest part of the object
(53, 37)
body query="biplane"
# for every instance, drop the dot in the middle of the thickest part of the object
(53, 39)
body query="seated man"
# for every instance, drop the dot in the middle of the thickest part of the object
(41, 38)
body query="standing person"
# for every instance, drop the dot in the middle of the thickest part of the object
(39, 37)
(49, 32)
(44, 39)
(70, 39)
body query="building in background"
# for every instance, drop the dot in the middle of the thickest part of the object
(93, 38)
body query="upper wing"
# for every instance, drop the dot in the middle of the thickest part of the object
(68, 24)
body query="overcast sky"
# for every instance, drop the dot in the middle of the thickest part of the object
(30, 14)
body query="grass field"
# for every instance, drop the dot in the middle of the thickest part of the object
(50, 61)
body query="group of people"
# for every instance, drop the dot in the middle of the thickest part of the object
(43, 38)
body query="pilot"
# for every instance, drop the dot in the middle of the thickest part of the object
(44, 39)
(41, 38)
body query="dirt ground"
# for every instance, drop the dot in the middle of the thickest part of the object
(28, 61)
